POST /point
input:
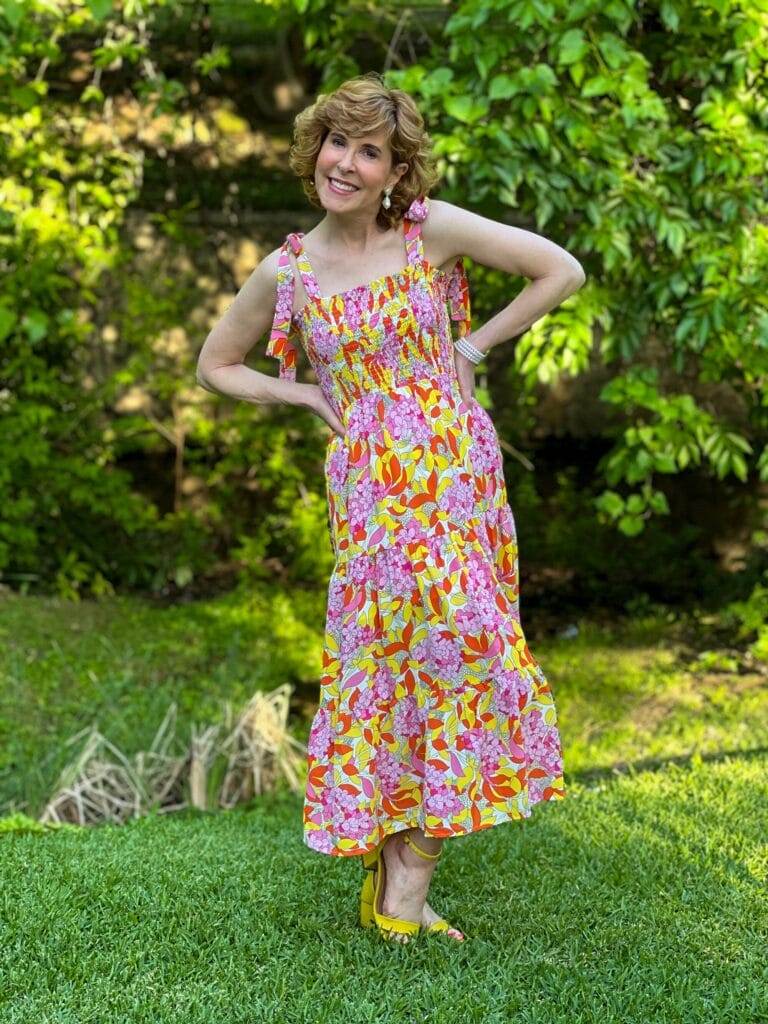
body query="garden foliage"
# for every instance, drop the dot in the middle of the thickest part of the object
(632, 134)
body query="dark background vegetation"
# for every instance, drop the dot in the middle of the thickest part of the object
(145, 169)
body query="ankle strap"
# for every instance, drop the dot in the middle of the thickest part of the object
(418, 850)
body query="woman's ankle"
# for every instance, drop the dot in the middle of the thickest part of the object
(411, 860)
(428, 848)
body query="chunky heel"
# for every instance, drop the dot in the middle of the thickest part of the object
(366, 911)
(372, 895)
(389, 926)
(370, 861)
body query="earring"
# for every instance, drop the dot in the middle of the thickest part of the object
(386, 202)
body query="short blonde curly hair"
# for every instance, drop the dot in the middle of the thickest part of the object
(360, 106)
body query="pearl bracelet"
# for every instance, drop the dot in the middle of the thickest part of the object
(473, 354)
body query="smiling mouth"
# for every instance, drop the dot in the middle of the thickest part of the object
(344, 185)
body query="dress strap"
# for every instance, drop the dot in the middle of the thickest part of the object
(414, 215)
(458, 298)
(302, 262)
(280, 346)
(457, 286)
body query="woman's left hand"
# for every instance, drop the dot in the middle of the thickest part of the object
(465, 372)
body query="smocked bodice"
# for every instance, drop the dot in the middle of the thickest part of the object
(379, 336)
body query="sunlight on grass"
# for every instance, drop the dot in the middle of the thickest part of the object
(120, 662)
(639, 899)
(630, 694)
(621, 701)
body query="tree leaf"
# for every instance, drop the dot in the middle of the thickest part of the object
(99, 9)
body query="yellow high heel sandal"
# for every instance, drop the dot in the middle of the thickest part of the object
(370, 861)
(372, 895)
(441, 925)
(369, 897)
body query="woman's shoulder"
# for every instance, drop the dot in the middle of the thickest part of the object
(437, 232)
(272, 274)
(434, 216)
(278, 258)
(426, 208)
(436, 212)
(266, 270)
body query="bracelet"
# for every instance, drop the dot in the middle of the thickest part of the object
(473, 354)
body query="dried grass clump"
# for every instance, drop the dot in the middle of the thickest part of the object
(220, 766)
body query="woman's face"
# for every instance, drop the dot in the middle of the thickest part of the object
(364, 162)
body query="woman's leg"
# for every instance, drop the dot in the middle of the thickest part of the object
(408, 876)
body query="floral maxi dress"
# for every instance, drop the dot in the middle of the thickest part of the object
(433, 712)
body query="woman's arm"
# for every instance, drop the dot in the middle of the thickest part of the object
(451, 231)
(220, 365)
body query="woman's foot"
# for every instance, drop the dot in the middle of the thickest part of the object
(428, 917)
(407, 878)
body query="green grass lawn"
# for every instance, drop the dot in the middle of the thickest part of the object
(118, 663)
(640, 897)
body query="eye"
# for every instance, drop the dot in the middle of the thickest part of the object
(338, 140)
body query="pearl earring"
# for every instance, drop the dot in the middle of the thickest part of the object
(386, 202)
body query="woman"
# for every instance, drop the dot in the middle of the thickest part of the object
(435, 720)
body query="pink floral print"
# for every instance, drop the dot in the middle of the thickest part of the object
(433, 712)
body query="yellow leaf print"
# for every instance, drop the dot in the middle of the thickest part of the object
(442, 487)
(550, 717)
(364, 751)
(371, 617)
(450, 729)
(397, 646)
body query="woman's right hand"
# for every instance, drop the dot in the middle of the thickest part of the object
(318, 403)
